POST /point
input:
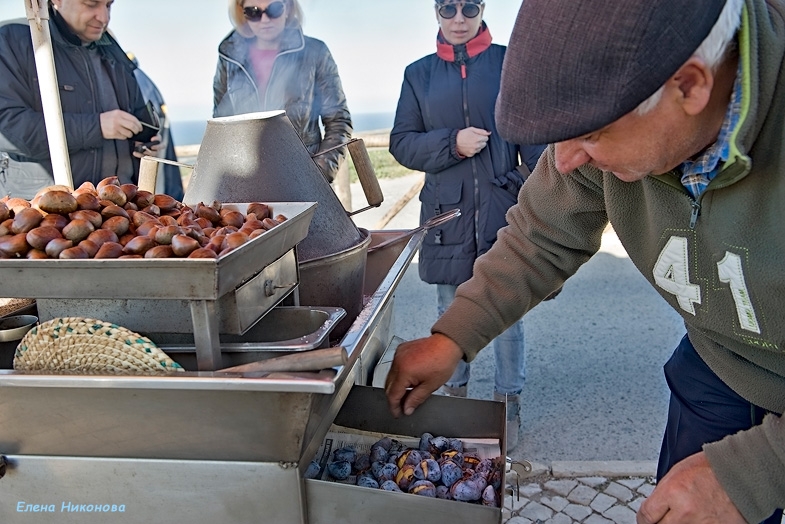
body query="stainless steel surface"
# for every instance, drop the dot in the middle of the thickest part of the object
(170, 279)
(185, 424)
(252, 425)
(432, 222)
(260, 156)
(15, 327)
(314, 360)
(121, 491)
(330, 502)
(283, 329)
(180, 294)
(336, 280)
(235, 312)
(206, 338)
(368, 336)
(365, 409)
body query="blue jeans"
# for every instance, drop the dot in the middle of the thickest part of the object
(508, 350)
(702, 409)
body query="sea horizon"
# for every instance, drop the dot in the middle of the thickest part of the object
(190, 132)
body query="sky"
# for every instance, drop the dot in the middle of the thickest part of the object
(372, 41)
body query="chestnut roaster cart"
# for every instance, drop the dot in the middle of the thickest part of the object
(209, 447)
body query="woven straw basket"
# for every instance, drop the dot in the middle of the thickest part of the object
(74, 345)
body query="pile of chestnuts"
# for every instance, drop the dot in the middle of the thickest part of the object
(113, 220)
(438, 468)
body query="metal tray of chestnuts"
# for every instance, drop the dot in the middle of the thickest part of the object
(159, 278)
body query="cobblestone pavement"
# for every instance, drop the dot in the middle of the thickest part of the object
(544, 499)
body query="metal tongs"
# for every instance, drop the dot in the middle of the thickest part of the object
(432, 222)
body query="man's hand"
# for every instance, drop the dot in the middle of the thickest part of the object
(119, 125)
(423, 365)
(689, 494)
(151, 148)
(471, 141)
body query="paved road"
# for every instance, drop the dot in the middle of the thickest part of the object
(594, 389)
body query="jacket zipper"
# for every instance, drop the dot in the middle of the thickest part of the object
(272, 73)
(251, 78)
(245, 71)
(461, 61)
(696, 210)
(694, 203)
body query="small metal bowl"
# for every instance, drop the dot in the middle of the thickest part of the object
(15, 327)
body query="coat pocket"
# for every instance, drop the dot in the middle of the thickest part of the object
(439, 198)
(17, 181)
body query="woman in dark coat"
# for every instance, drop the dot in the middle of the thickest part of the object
(267, 63)
(444, 126)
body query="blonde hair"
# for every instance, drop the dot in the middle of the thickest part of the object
(294, 16)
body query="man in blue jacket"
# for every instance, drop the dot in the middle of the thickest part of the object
(102, 105)
(444, 126)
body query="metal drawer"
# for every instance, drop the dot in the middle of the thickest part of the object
(365, 409)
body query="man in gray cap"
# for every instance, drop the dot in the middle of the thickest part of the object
(666, 119)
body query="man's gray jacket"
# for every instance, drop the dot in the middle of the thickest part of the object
(25, 164)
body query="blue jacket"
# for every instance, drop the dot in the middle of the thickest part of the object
(441, 94)
(25, 164)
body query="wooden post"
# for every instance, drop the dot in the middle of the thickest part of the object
(148, 172)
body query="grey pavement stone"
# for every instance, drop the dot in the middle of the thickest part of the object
(559, 518)
(606, 468)
(519, 520)
(622, 493)
(602, 502)
(620, 515)
(518, 503)
(536, 511)
(582, 495)
(631, 483)
(530, 490)
(596, 519)
(635, 505)
(593, 481)
(555, 503)
(562, 487)
(646, 489)
(577, 511)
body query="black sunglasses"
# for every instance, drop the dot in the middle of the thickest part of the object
(448, 11)
(254, 14)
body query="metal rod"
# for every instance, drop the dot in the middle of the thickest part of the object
(170, 162)
(334, 147)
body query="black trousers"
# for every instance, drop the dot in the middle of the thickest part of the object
(702, 409)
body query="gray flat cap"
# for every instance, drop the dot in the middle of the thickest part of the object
(574, 66)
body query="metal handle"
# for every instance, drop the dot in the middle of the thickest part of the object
(432, 222)
(312, 360)
(365, 172)
(270, 287)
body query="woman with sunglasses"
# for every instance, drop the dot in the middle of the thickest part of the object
(267, 63)
(444, 125)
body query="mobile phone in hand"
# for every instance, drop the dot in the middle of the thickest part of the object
(141, 148)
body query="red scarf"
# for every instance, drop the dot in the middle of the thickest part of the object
(460, 53)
